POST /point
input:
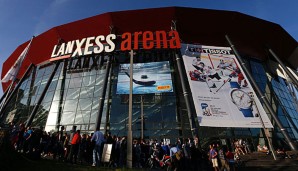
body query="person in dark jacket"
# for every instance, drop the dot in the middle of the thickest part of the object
(196, 155)
(83, 149)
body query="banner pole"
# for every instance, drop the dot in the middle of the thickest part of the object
(290, 78)
(265, 131)
(193, 128)
(262, 97)
(5, 95)
(10, 93)
(192, 123)
(21, 58)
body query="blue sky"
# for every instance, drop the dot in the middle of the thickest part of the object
(20, 20)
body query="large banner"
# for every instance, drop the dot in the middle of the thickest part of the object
(221, 92)
(153, 77)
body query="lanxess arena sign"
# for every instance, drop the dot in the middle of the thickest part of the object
(129, 41)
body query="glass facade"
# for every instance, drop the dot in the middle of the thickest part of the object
(73, 98)
(282, 99)
(159, 109)
(74, 94)
(287, 106)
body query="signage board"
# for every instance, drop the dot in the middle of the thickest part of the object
(106, 153)
(129, 41)
(222, 94)
(153, 77)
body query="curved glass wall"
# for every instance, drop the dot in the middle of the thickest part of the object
(73, 99)
(282, 101)
(17, 110)
(41, 78)
(287, 107)
(159, 109)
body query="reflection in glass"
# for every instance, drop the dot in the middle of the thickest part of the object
(93, 116)
(70, 105)
(75, 82)
(95, 104)
(54, 107)
(100, 79)
(84, 104)
(53, 85)
(52, 118)
(67, 118)
(72, 93)
(82, 117)
(86, 92)
(88, 81)
(49, 96)
(41, 115)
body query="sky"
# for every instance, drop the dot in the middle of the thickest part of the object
(20, 20)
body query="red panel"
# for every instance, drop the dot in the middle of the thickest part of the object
(144, 20)
(202, 26)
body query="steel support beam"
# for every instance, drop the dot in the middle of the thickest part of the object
(262, 97)
(36, 106)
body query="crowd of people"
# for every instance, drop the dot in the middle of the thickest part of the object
(87, 149)
(241, 147)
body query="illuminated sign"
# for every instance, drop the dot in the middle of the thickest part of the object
(78, 47)
(161, 39)
(129, 41)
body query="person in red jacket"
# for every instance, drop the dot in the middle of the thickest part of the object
(74, 148)
(230, 158)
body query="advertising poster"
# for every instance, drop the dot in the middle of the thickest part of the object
(153, 77)
(222, 94)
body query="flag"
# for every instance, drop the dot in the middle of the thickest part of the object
(13, 71)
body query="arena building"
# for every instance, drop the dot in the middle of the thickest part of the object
(185, 77)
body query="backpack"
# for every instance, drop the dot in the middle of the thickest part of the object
(178, 154)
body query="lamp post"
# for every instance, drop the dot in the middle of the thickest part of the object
(142, 118)
(129, 131)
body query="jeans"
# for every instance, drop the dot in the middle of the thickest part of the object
(96, 154)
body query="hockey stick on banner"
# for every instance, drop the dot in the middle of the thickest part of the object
(225, 81)
(144, 83)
